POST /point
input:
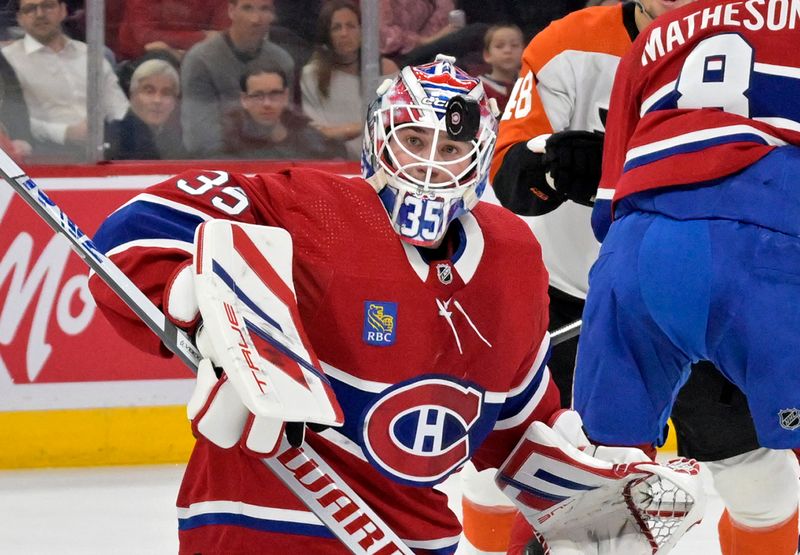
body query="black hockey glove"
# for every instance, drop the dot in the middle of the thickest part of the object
(573, 160)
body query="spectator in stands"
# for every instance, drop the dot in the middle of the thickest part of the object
(15, 125)
(52, 69)
(151, 129)
(415, 31)
(125, 69)
(331, 82)
(266, 126)
(172, 25)
(502, 50)
(211, 69)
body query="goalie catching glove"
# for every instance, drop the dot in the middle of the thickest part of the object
(270, 383)
(585, 499)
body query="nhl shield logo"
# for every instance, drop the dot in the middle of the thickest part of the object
(445, 273)
(790, 419)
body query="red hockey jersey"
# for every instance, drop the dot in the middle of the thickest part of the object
(433, 361)
(705, 91)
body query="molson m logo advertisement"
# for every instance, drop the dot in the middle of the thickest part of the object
(56, 348)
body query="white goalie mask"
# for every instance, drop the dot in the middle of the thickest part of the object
(428, 146)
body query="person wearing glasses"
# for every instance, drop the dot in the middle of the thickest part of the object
(211, 69)
(52, 70)
(266, 125)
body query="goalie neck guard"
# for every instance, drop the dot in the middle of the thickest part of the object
(424, 189)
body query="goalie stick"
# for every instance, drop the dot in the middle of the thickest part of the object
(301, 469)
(566, 332)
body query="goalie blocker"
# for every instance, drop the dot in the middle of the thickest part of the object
(251, 330)
(586, 499)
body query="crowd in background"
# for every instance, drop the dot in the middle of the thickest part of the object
(234, 78)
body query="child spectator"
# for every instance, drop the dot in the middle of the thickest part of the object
(151, 129)
(266, 126)
(331, 81)
(502, 50)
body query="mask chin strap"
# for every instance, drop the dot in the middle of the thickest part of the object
(645, 11)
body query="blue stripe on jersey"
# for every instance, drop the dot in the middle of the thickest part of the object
(601, 218)
(515, 404)
(693, 146)
(769, 96)
(449, 550)
(145, 220)
(667, 102)
(260, 524)
(353, 402)
(774, 96)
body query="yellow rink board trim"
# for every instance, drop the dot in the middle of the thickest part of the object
(99, 437)
(95, 437)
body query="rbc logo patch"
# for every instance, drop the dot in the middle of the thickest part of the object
(380, 318)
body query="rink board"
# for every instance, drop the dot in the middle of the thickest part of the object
(72, 392)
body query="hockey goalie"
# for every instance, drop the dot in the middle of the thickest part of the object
(578, 498)
(387, 284)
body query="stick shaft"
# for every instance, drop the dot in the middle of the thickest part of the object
(566, 332)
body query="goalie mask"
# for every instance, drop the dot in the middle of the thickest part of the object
(427, 148)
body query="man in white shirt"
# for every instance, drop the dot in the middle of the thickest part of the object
(52, 71)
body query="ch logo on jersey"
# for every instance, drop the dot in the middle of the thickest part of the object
(380, 322)
(418, 432)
